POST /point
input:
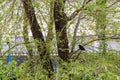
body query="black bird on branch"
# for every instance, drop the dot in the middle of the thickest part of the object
(81, 47)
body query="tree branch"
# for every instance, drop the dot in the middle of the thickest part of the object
(111, 37)
(75, 13)
(34, 26)
(113, 4)
(75, 31)
(15, 46)
(117, 36)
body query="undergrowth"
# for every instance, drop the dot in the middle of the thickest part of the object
(87, 67)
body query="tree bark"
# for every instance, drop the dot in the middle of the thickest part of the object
(26, 37)
(37, 35)
(61, 31)
(35, 28)
(50, 34)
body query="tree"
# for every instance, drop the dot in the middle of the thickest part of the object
(61, 20)
(37, 35)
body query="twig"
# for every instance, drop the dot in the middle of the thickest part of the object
(15, 46)
(113, 4)
(112, 37)
(74, 14)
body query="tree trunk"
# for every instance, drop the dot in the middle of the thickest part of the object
(61, 31)
(26, 38)
(50, 34)
(37, 35)
(35, 28)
